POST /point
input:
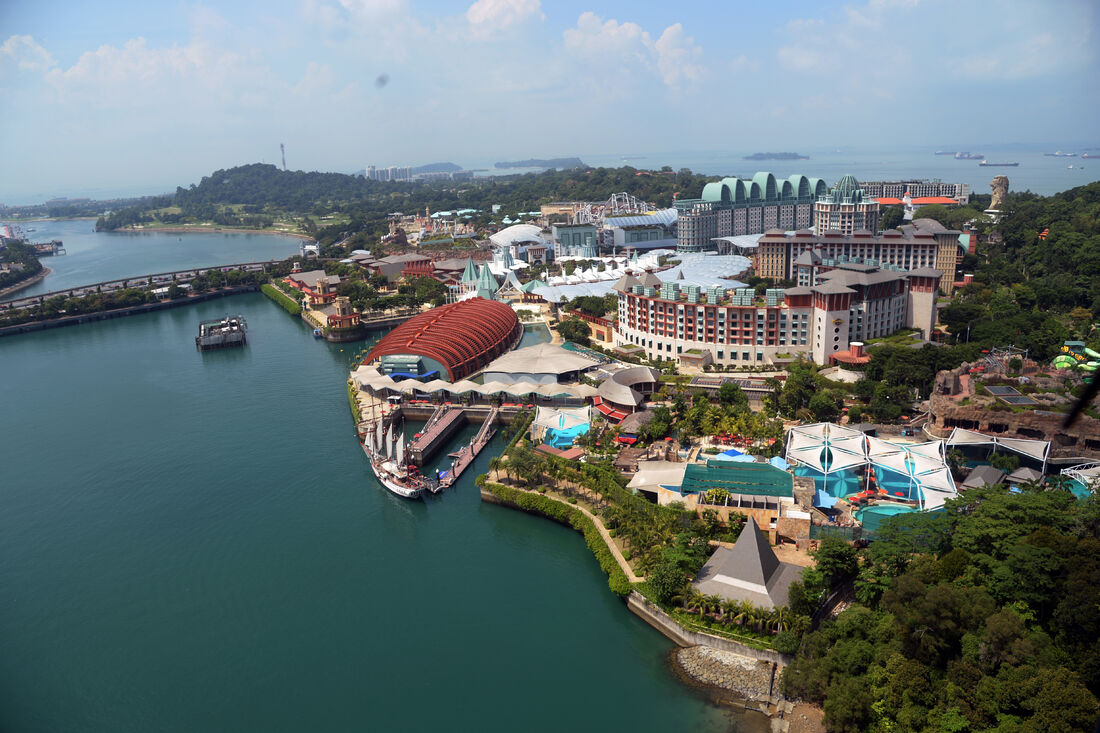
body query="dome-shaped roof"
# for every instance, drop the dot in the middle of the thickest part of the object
(847, 188)
(517, 234)
(462, 336)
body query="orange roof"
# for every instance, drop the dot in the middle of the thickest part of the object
(890, 202)
(925, 200)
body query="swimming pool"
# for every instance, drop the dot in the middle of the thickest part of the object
(871, 517)
(1078, 489)
(846, 482)
(838, 483)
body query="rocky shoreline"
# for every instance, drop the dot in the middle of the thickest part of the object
(745, 685)
(749, 679)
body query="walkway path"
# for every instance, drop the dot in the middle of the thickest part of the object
(607, 538)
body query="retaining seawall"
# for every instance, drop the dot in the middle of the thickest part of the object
(123, 312)
(658, 619)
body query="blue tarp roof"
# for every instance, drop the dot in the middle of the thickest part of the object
(823, 499)
(778, 462)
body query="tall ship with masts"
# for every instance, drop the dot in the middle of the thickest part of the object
(389, 461)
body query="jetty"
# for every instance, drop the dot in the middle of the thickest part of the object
(221, 333)
(467, 453)
(444, 423)
(52, 248)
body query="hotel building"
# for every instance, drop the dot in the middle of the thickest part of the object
(845, 303)
(735, 206)
(923, 244)
(845, 209)
(923, 188)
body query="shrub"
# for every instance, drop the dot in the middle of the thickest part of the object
(282, 299)
(787, 642)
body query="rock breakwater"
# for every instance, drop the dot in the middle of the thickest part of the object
(748, 678)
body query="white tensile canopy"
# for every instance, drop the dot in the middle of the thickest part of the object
(562, 418)
(1037, 449)
(827, 448)
(369, 377)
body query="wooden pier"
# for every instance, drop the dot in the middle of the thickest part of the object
(467, 453)
(436, 433)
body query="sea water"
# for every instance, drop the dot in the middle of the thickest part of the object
(194, 542)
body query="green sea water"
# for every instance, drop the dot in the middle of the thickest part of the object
(194, 542)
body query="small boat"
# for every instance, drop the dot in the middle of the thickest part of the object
(987, 164)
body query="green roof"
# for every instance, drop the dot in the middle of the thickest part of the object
(469, 275)
(487, 284)
(761, 479)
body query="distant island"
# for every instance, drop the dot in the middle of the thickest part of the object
(436, 168)
(562, 163)
(776, 156)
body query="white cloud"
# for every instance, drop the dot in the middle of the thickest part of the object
(678, 57)
(374, 8)
(24, 54)
(896, 39)
(629, 48)
(494, 15)
(136, 75)
(742, 63)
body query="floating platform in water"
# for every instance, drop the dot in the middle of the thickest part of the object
(221, 333)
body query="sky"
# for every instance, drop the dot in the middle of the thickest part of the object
(118, 97)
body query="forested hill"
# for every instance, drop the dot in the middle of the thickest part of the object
(262, 184)
(1035, 290)
(250, 194)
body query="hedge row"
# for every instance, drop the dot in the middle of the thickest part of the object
(553, 509)
(282, 299)
(353, 402)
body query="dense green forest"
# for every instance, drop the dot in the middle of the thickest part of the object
(261, 190)
(18, 253)
(1034, 291)
(980, 617)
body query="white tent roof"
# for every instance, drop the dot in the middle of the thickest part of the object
(959, 436)
(826, 448)
(562, 418)
(1037, 449)
(370, 377)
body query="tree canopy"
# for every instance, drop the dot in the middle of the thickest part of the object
(978, 617)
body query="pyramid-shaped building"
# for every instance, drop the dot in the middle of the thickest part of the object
(749, 571)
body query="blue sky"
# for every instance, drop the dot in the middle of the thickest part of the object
(127, 97)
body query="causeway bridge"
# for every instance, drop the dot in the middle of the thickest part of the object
(153, 280)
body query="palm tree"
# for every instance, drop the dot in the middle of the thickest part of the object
(730, 608)
(780, 619)
(695, 601)
(714, 603)
(744, 614)
(495, 464)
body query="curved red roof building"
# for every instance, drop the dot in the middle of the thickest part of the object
(456, 339)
